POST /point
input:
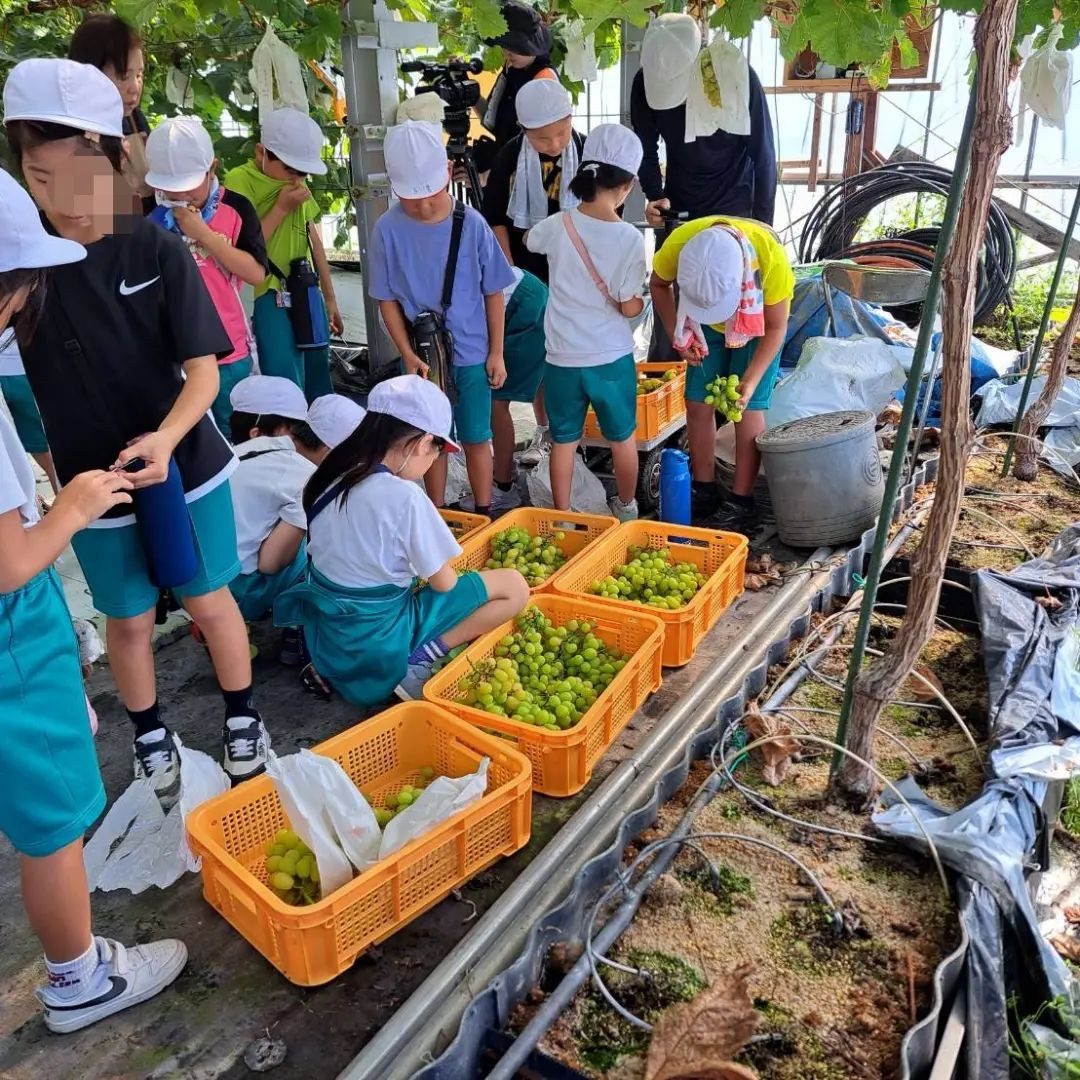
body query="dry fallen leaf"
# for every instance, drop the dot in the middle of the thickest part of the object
(760, 564)
(757, 582)
(914, 689)
(1067, 946)
(777, 754)
(1051, 603)
(891, 413)
(1072, 914)
(697, 1039)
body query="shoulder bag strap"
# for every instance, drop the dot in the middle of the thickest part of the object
(324, 500)
(456, 229)
(579, 247)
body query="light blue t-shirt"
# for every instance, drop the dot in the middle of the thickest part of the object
(408, 264)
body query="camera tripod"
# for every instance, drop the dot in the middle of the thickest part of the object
(468, 191)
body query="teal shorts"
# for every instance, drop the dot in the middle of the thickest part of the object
(255, 593)
(24, 413)
(278, 354)
(472, 410)
(611, 389)
(114, 563)
(228, 376)
(724, 361)
(51, 791)
(524, 346)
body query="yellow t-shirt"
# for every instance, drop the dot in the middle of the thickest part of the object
(777, 277)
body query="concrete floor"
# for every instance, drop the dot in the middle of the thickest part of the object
(229, 996)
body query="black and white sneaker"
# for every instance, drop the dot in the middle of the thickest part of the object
(247, 747)
(157, 759)
(293, 652)
(130, 976)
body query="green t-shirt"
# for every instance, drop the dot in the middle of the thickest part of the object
(290, 241)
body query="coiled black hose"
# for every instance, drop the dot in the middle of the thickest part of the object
(830, 227)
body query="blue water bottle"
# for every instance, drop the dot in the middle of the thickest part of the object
(674, 487)
(165, 527)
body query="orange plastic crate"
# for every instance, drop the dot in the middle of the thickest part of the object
(311, 945)
(720, 556)
(655, 411)
(464, 525)
(580, 529)
(563, 761)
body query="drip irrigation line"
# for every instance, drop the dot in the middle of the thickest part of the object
(787, 712)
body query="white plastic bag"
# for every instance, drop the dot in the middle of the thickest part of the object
(351, 816)
(1065, 690)
(300, 779)
(178, 89)
(1046, 80)
(137, 844)
(1000, 400)
(834, 374)
(580, 63)
(587, 494)
(457, 479)
(441, 799)
(428, 108)
(733, 77)
(276, 77)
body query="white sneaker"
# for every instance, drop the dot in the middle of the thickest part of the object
(411, 687)
(131, 976)
(501, 501)
(623, 511)
(157, 759)
(539, 447)
(247, 747)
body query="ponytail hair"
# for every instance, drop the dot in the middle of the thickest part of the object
(595, 176)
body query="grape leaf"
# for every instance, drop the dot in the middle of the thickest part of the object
(877, 73)
(737, 17)
(909, 55)
(488, 18)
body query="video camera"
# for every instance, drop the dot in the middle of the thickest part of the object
(460, 93)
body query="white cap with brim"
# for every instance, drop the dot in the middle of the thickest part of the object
(296, 140)
(333, 418)
(542, 102)
(179, 152)
(269, 395)
(24, 243)
(668, 54)
(64, 92)
(710, 279)
(613, 144)
(415, 401)
(416, 160)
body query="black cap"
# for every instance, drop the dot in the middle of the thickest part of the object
(526, 33)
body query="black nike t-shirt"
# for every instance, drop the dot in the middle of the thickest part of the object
(105, 362)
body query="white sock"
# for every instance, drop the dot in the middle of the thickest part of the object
(82, 977)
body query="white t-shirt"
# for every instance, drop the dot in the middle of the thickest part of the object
(17, 488)
(266, 488)
(10, 358)
(582, 329)
(387, 533)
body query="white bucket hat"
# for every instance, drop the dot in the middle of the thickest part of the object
(296, 140)
(24, 243)
(710, 279)
(334, 417)
(416, 160)
(415, 401)
(179, 153)
(668, 54)
(64, 92)
(269, 395)
(613, 144)
(542, 102)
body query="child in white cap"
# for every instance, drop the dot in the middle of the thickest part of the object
(222, 231)
(289, 150)
(529, 180)
(52, 791)
(123, 365)
(371, 534)
(597, 266)
(735, 288)
(410, 271)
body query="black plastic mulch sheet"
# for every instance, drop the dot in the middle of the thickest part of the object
(996, 841)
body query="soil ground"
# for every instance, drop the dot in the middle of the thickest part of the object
(833, 1006)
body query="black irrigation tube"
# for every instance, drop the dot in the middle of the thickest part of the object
(831, 226)
(476, 987)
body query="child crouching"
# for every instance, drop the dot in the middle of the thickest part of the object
(372, 533)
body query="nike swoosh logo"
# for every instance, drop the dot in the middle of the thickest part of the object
(129, 290)
(119, 985)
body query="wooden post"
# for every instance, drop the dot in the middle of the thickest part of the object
(815, 144)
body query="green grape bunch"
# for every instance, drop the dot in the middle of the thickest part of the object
(650, 577)
(651, 384)
(397, 801)
(291, 870)
(723, 394)
(536, 558)
(709, 80)
(544, 675)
